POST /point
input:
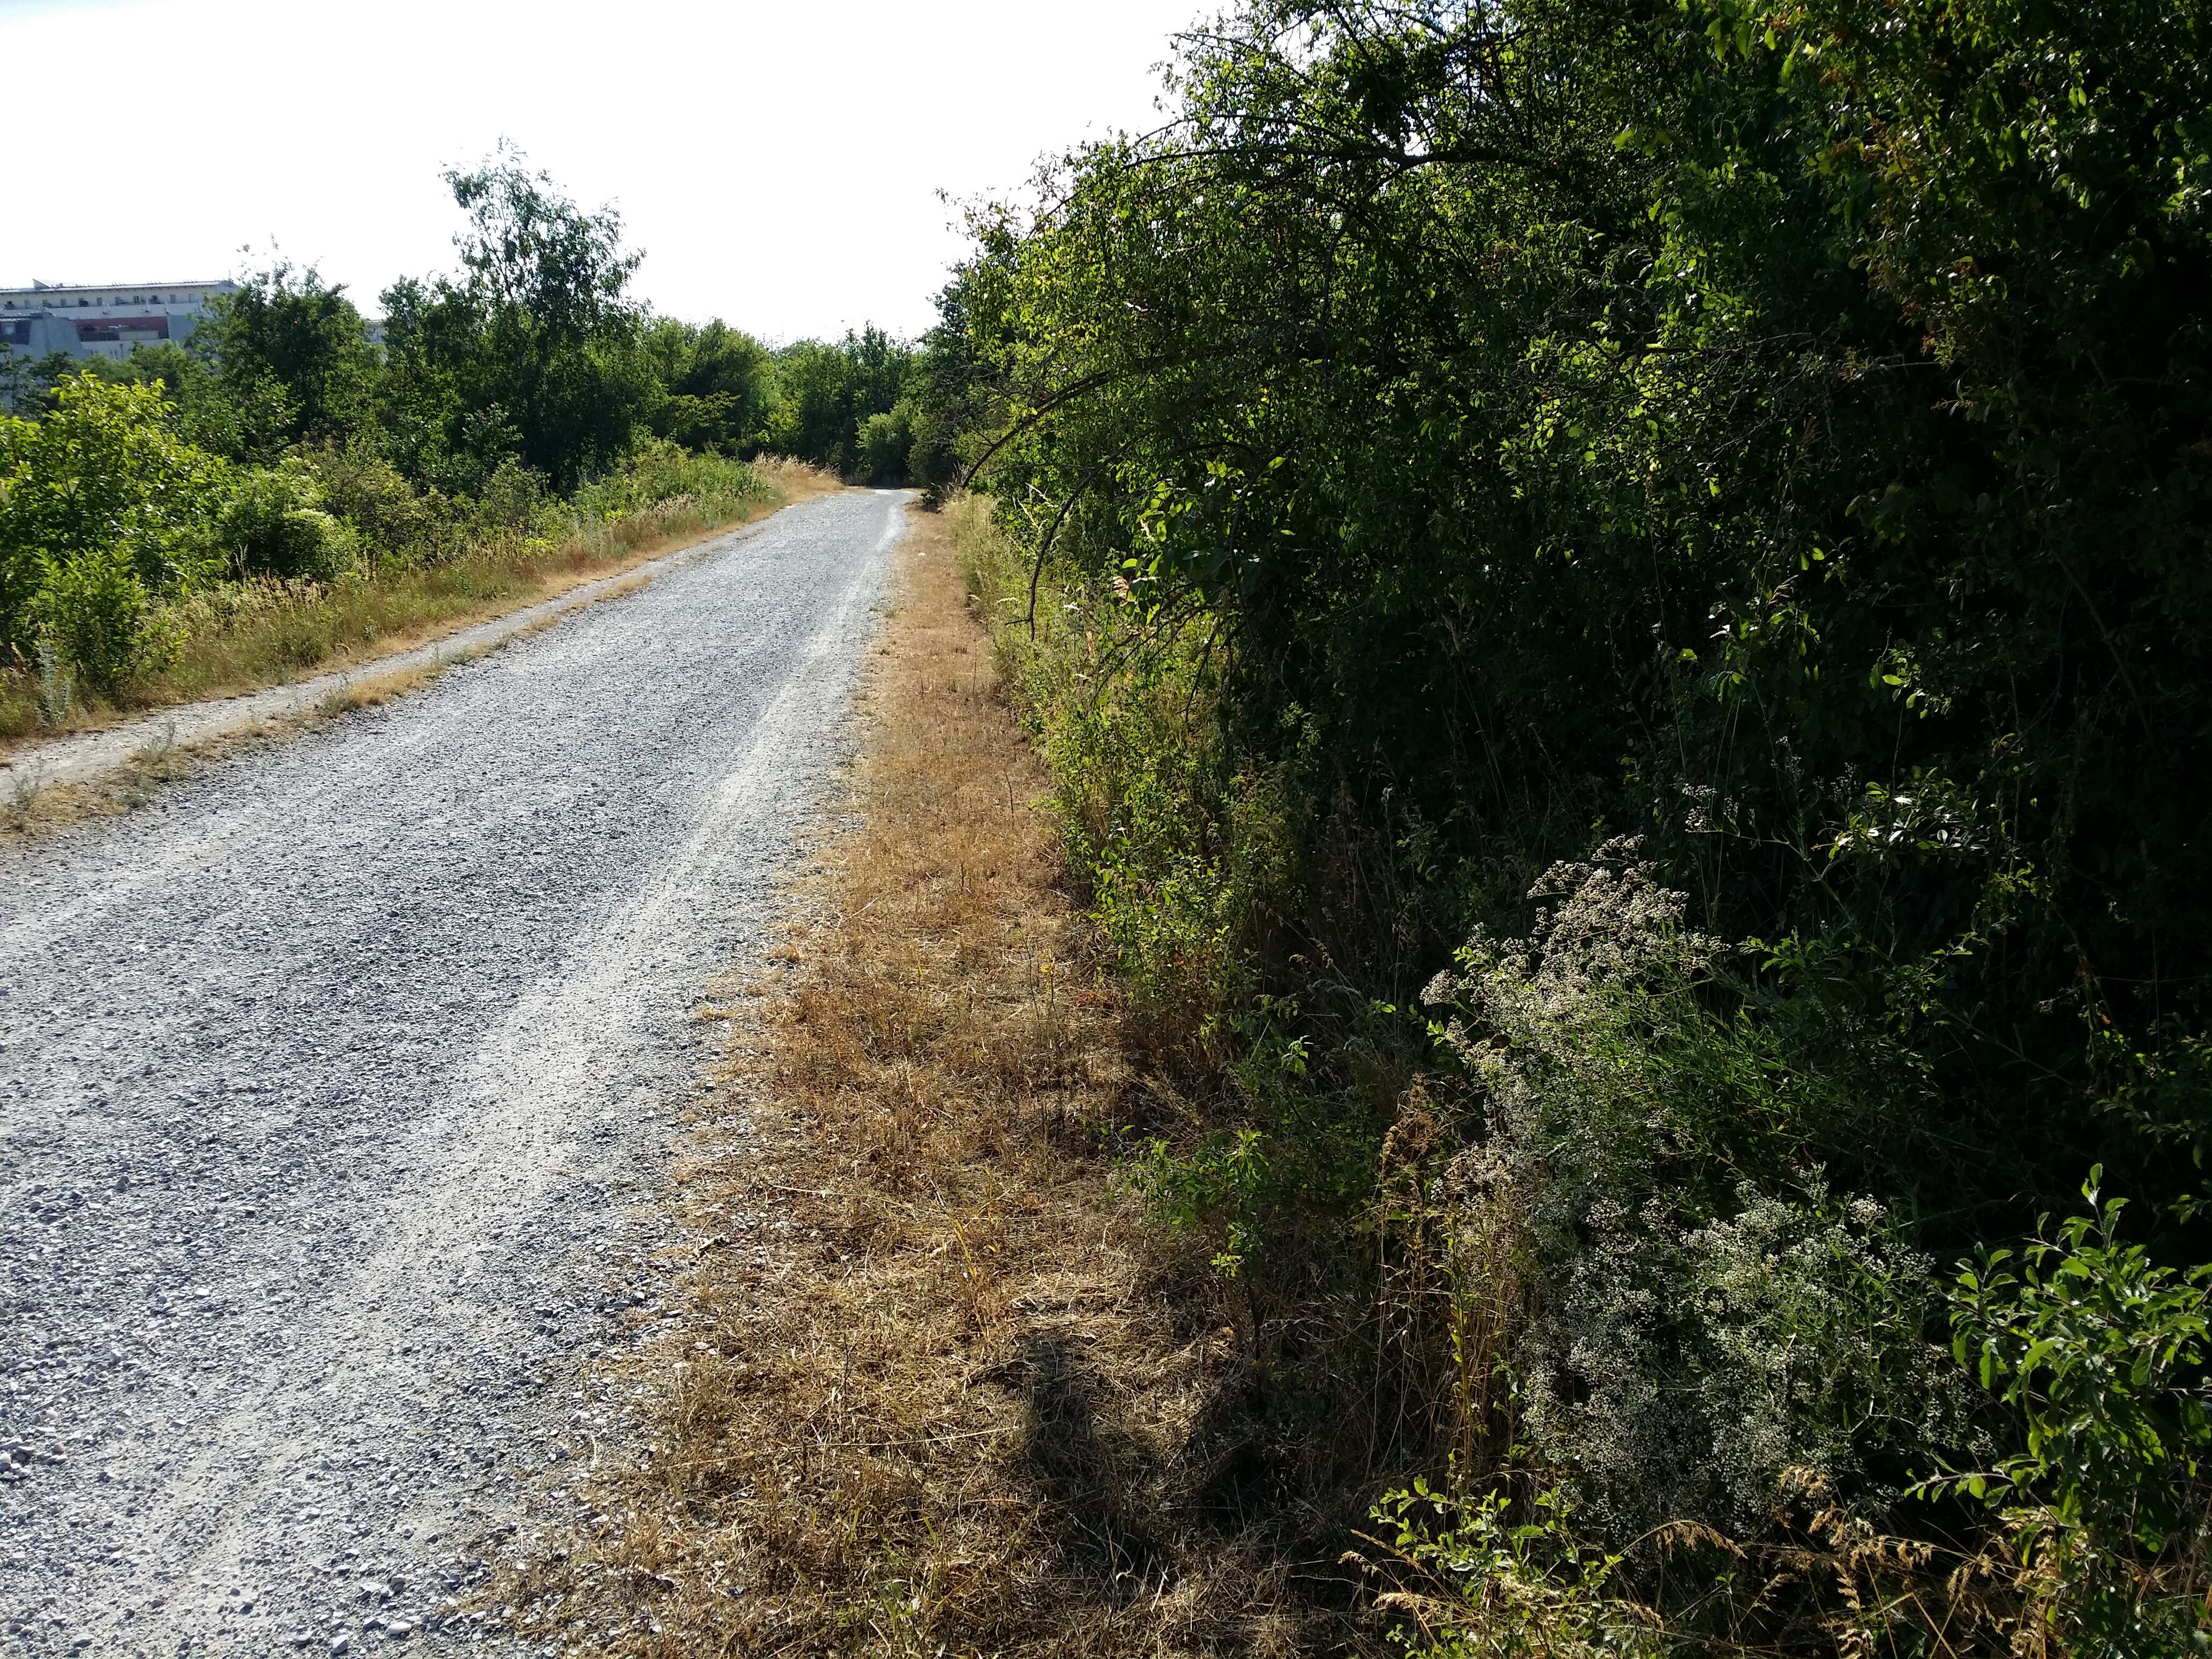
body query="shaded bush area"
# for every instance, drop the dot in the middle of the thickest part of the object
(1614, 593)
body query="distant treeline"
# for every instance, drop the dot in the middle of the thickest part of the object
(279, 443)
(1619, 595)
(533, 354)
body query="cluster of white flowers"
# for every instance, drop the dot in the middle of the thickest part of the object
(1687, 1348)
(1613, 929)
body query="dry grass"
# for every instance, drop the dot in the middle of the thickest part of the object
(935, 1387)
(31, 807)
(274, 633)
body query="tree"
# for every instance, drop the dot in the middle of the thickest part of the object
(26, 383)
(955, 395)
(290, 364)
(1775, 435)
(431, 412)
(830, 390)
(719, 386)
(532, 353)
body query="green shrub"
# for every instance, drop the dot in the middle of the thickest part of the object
(100, 475)
(885, 440)
(933, 460)
(1698, 1334)
(393, 520)
(274, 524)
(1187, 860)
(2107, 1358)
(512, 501)
(1499, 1585)
(94, 614)
(661, 472)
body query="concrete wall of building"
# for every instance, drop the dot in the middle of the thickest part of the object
(105, 321)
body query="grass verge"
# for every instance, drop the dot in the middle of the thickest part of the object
(934, 1384)
(271, 633)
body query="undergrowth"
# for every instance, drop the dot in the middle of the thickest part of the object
(1558, 1271)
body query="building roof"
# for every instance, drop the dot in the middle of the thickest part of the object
(69, 296)
(38, 287)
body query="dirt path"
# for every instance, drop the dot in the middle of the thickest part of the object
(334, 1086)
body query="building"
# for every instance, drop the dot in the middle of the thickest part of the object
(105, 321)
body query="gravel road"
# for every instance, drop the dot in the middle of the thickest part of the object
(336, 1087)
(84, 755)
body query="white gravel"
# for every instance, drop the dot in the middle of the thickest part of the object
(335, 1089)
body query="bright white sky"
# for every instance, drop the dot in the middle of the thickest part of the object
(779, 163)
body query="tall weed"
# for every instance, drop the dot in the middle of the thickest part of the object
(1185, 858)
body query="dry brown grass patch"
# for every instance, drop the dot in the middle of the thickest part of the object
(934, 1387)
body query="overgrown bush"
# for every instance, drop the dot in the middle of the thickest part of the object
(2108, 1356)
(1495, 1584)
(395, 523)
(660, 471)
(885, 441)
(1183, 865)
(933, 460)
(1776, 436)
(94, 613)
(104, 512)
(513, 500)
(102, 470)
(275, 525)
(1708, 1317)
